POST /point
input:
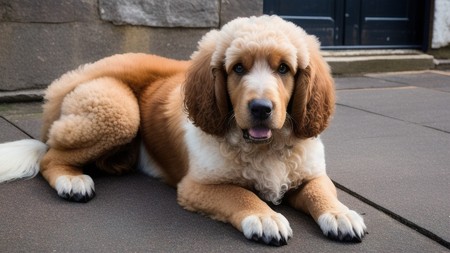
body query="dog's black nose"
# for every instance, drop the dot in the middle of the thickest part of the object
(260, 109)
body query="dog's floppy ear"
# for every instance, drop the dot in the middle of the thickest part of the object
(206, 97)
(312, 102)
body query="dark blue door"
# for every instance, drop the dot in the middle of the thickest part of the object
(357, 23)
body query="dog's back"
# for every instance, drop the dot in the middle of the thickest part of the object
(136, 70)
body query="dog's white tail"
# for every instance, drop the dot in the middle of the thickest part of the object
(20, 159)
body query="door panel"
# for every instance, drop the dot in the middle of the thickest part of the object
(356, 23)
(319, 17)
(387, 22)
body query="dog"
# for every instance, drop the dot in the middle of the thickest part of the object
(233, 129)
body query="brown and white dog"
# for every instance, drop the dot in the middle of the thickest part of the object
(234, 127)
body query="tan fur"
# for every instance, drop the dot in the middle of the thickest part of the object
(118, 67)
(92, 113)
(206, 92)
(313, 101)
(224, 202)
(162, 106)
(316, 197)
(96, 117)
(191, 116)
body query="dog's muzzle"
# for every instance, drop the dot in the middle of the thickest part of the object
(260, 110)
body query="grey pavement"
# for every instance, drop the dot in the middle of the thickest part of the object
(387, 149)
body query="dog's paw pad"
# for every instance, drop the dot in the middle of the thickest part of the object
(270, 229)
(343, 226)
(75, 188)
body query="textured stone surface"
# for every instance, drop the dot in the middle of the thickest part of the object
(381, 146)
(169, 13)
(441, 24)
(135, 213)
(424, 107)
(231, 9)
(438, 80)
(379, 63)
(33, 55)
(9, 133)
(26, 116)
(363, 82)
(430, 79)
(48, 11)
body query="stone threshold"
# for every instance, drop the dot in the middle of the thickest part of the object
(32, 95)
(356, 62)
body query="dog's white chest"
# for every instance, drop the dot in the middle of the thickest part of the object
(272, 171)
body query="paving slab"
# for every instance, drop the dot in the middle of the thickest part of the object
(364, 82)
(26, 116)
(399, 165)
(439, 80)
(418, 105)
(30, 123)
(9, 132)
(136, 213)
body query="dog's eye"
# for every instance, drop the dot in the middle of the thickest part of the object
(283, 69)
(239, 69)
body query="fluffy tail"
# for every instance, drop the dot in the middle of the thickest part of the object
(20, 159)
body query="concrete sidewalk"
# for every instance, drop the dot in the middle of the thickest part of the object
(388, 149)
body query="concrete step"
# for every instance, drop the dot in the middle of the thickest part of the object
(442, 64)
(354, 62)
(21, 96)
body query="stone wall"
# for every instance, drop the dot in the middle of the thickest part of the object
(441, 24)
(40, 40)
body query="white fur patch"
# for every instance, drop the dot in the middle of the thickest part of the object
(266, 227)
(146, 163)
(284, 165)
(341, 225)
(82, 185)
(20, 159)
(261, 79)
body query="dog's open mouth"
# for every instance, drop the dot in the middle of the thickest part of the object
(258, 134)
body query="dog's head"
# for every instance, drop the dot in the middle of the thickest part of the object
(261, 74)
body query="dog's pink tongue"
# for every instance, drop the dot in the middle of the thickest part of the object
(260, 132)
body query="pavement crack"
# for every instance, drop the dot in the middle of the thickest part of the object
(395, 216)
(16, 126)
(390, 117)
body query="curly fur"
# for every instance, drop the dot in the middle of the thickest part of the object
(197, 126)
(207, 102)
(283, 167)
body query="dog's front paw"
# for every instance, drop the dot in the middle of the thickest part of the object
(75, 188)
(343, 226)
(271, 229)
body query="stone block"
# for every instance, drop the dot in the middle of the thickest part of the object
(169, 13)
(231, 9)
(48, 11)
(352, 65)
(33, 55)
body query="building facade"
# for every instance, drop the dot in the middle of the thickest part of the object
(40, 40)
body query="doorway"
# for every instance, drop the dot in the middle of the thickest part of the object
(348, 24)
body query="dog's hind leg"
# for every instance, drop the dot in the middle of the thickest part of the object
(97, 118)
